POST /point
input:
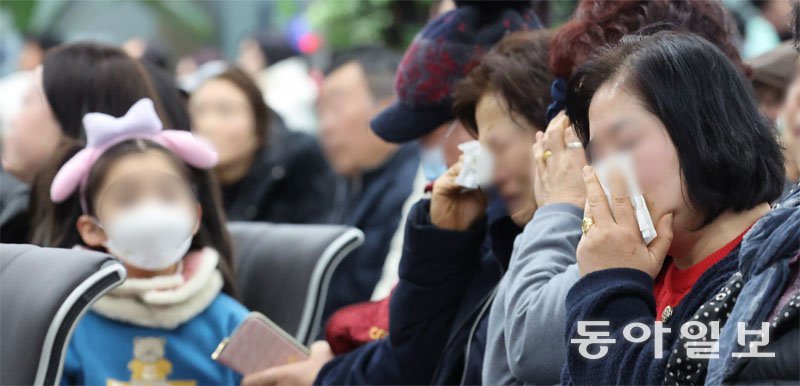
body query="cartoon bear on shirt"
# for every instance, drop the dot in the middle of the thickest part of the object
(149, 366)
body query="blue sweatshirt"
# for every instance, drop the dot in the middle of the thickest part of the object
(108, 352)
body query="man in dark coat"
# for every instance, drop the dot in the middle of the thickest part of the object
(376, 177)
(446, 276)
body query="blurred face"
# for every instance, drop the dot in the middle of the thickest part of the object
(345, 108)
(619, 123)
(769, 101)
(129, 182)
(790, 118)
(135, 47)
(222, 114)
(30, 57)
(33, 134)
(511, 146)
(251, 58)
(778, 13)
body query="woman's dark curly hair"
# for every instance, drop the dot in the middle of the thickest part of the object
(597, 23)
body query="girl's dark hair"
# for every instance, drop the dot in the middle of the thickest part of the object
(596, 23)
(79, 78)
(262, 115)
(89, 77)
(728, 152)
(515, 68)
(85, 77)
(56, 223)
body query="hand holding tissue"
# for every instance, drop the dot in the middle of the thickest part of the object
(623, 163)
(476, 166)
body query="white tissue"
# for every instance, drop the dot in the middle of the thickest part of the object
(476, 166)
(624, 163)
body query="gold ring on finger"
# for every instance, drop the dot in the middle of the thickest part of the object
(586, 224)
(546, 155)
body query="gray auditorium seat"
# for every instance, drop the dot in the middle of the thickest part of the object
(43, 293)
(284, 270)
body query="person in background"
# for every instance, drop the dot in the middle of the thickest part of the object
(773, 73)
(376, 176)
(620, 102)
(789, 119)
(439, 7)
(73, 78)
(54, 98)
(766, 25)
(34, 48)
(283, 75)
(789, 116)
(14, 197)
(33, 134)
(150, 51)
(13, 86)
(447, 271)
(137, 196)
(193, 69)
(259, 51)
(267, 172)
(173, 100)
(432, 313)
(431, 316)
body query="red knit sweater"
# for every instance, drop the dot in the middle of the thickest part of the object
(674, 283)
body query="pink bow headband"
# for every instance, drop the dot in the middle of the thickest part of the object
(104, 131)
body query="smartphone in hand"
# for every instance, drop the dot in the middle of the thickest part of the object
(258, 344)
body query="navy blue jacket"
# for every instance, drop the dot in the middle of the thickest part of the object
(373, 203)
(622, 296)
(446, 283)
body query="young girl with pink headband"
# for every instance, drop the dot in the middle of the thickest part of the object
(139, 202)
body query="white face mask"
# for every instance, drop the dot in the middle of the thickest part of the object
(151, 236)
(432, 159)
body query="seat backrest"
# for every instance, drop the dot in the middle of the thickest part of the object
(43, 293)
(284, 270)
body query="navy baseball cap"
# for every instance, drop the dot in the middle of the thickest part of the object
(442, 54)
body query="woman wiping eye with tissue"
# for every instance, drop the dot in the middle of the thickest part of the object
(709, 167)
(139, 203)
